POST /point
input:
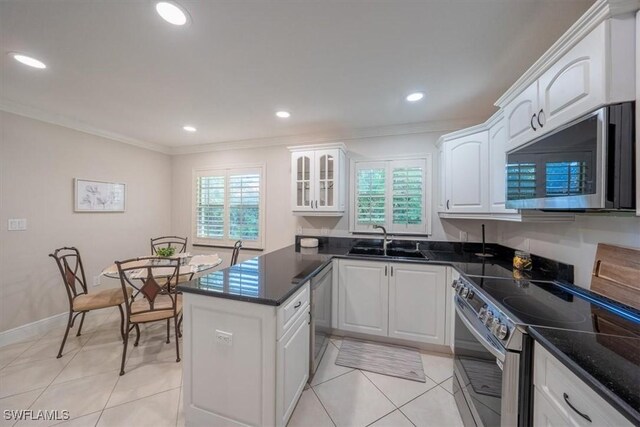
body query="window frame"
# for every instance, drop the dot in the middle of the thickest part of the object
(227, 171)
(392, 163)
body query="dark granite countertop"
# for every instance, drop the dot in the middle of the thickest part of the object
(273, 277)
(609, 364)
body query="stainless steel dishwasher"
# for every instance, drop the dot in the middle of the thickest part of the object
(321, 286)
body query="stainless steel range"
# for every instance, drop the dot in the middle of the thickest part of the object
(492, 368)
(493, 351)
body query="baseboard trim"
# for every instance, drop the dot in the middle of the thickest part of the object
(31, 330)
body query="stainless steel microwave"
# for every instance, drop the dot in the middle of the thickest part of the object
(588, 164)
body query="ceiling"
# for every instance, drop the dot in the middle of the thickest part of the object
(337, 66)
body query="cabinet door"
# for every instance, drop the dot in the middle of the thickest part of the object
(302, 163)
(497, 165)
(521, 127)
(575, 84)
(442, 196)
(545, 414)
(363, 300)
(292, 368)
(417, 302)
(327, 166)
(467, 175)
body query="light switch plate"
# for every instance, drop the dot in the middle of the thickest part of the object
(17, 224)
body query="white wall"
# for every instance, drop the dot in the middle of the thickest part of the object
(38, 162)
(573, 243)
(281, 225)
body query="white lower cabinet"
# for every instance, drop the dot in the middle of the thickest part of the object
(292, 368)
(417, 302)
(363, 297)
(561, 398)
(244, 363)
(398, 300)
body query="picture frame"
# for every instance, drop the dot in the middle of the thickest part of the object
(98, 196)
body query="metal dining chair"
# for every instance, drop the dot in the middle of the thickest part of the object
(236, 250)
(80, 301)
(177, 242)
(154, 298)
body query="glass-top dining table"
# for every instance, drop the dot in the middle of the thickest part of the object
(189, 265)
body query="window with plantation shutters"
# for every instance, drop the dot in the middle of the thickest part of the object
(391, 193)
(229, 206)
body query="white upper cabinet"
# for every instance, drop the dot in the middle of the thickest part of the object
(497, 165)
(597, 70)
(318, 180)
(520, 115)
(466, 173)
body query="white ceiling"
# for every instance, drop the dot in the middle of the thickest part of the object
(336, 65)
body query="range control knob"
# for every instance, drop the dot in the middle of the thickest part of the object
(454, 284)
(493, 326)
(464, 292)
(482, 313)
(488, 318)
(502, 332)
(471, 294)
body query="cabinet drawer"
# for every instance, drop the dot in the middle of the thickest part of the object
(289, 311)
(555, 381)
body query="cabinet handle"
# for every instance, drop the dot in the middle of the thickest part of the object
(447, 205)
(531, 123)
(309, 318)
(298, 305)
(540, 115)
(385, 270)
(566, 399)
(392, 271)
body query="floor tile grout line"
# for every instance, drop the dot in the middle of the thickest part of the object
(140, 398)
(388, 413)
(323, 407)
(330, 379)
(378, 388)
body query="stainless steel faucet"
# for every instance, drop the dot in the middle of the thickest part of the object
(385, 241)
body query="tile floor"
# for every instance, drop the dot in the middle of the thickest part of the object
(85, 382)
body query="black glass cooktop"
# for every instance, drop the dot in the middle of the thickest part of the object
(559, 305)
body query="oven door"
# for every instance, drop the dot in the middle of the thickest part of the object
(486, 375)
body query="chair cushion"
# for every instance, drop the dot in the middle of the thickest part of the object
(162, 309)
(102, 299)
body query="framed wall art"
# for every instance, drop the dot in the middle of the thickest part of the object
(98, 196)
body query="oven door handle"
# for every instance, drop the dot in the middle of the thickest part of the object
(492, 348)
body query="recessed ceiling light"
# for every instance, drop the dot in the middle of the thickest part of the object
(283, 114)
(27, 60)
(172, 12)
(415, 96)
(189, 128)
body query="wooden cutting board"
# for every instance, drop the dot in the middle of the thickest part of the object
(616, 274)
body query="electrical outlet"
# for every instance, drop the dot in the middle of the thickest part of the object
(17, 224)
(225, 338)
(96, 281)
(464, 236)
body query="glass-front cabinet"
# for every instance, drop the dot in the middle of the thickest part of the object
(318, 180)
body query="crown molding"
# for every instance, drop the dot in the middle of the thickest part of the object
(328, 137)
(318, 138)
(600, 11)
(67, 122)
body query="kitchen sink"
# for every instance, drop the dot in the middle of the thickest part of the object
(391, 252)
(360, 250)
